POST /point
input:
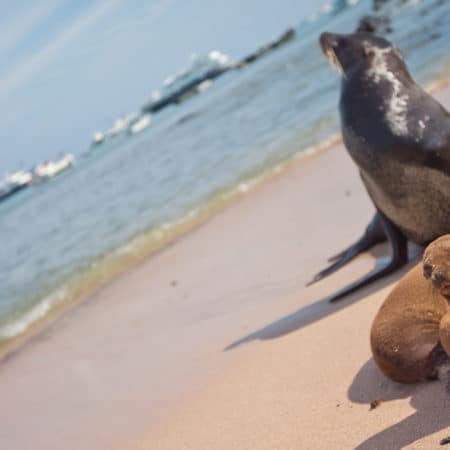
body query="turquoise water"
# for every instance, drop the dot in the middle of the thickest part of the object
(66, 236)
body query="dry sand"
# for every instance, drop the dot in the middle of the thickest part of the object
(214, 343)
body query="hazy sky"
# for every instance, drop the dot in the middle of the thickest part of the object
(68, 68)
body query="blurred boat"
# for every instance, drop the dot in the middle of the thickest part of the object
(14, 183)
(119, 126)
(326, 8)
(287, 36)
(97, 138)
(140, 123)
(190, 81)
(204, 85)
(49, 169)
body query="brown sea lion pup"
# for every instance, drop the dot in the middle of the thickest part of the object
(410, 336)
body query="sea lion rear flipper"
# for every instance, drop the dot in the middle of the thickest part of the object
(373, 235)
(399, 258)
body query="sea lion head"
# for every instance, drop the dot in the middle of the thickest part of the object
(363, 53)
(436, 264)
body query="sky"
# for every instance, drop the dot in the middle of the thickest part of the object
(69, 68)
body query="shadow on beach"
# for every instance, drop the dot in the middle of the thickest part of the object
(316, 311)
(429, 399)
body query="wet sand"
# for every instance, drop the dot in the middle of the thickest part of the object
(215, 343)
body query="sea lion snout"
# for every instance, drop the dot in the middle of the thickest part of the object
(328, 41)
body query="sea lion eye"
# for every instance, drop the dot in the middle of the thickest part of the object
(427, 270)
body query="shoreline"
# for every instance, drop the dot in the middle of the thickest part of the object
(120, 261)
(145, 244)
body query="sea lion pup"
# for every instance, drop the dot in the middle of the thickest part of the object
(410, 336)
(436, 267)
(399, 137)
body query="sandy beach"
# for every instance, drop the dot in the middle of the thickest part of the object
(215, 343)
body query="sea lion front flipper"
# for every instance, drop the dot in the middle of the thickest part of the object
(399, 258)
(374, 234)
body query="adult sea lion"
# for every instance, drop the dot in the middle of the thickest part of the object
(399, 137)
(410, 336)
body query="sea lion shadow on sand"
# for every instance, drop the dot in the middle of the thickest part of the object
(430, 417)
(318, 310)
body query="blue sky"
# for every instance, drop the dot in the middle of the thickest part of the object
(68, 68)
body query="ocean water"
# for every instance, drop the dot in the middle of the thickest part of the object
(64, 238)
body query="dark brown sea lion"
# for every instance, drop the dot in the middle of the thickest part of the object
(410, 336)
(399, 137)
